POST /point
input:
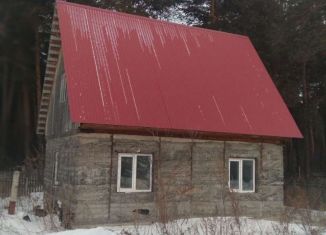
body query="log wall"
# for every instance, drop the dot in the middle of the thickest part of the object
(189, 178)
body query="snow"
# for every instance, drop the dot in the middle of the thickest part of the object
(199, 226)
(15, 224)
(50, 225)
(94, 231)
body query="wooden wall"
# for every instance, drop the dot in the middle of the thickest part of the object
(189, 178)
(58, 119)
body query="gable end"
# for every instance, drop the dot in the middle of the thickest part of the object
(52, 62)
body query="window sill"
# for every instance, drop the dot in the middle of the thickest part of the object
(242, 192)
(138, 191)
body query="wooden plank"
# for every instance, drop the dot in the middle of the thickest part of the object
(98, 128)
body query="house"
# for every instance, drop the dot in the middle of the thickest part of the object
(148, 120)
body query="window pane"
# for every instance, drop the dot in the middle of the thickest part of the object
(143, 172)
(234, 175)
(126, 172)
(247, 175)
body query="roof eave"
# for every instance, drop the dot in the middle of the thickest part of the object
(148, 131)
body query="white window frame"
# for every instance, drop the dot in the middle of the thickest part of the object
(134, 172)
(56, 165)
(240, 161)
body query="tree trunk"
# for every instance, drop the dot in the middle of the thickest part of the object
(27, 119)
(213, 14)
(37, 74)
(306, 120)
(7, 100)
(3, 106)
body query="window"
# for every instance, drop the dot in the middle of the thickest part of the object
(134, 173)
(242, 175)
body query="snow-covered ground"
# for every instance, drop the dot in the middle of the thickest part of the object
(15, 224)
(200, 226)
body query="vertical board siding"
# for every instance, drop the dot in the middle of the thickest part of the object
(59, 122)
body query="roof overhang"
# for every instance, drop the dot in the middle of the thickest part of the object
(109, 129)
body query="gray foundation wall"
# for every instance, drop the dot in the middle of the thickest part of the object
(190, 178)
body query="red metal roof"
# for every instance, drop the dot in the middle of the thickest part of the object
(131, 71)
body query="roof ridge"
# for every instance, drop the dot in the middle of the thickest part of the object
(150, 19)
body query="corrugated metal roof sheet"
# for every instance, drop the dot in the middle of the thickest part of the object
(127, 70)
